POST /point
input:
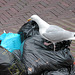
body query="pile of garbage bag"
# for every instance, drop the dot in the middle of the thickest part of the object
(39, 59)
(33, 57)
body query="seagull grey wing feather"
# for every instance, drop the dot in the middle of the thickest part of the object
(54, 28)
(57, 35)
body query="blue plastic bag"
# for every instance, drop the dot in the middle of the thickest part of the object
(10, 41)
(2, 36)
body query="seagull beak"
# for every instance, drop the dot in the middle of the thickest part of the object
(29, 19)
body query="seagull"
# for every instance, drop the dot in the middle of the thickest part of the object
(52, 33)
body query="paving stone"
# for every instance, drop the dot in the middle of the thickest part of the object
(3, 2)
(3, 16)
(19, 6)
(43, 3)
(7, 14)
(16, 7)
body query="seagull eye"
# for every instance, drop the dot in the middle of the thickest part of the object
(74, 35)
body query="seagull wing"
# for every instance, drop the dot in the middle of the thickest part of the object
(55, 33)
(54, 28)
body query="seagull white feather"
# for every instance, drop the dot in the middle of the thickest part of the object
(52, 33)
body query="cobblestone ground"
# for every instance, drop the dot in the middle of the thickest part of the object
(14, 13)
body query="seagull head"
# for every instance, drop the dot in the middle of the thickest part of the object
(41, 23)
(34, 18)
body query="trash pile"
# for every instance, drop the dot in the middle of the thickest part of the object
(25, 53)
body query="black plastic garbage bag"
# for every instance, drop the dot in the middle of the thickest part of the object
(62, 71)
(10, 64)
(39, 58)
(28, 29)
